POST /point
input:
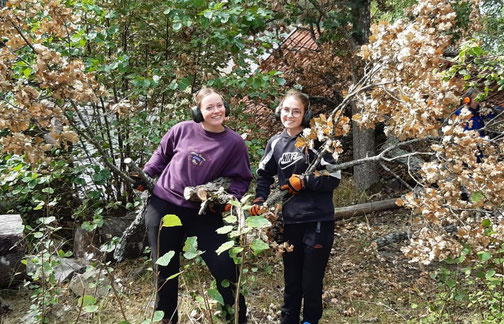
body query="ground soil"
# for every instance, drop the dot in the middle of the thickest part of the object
(362, 284)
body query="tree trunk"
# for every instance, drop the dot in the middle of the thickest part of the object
(363, 139)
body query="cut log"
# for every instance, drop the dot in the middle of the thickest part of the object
(11, 248)
(213, 192)
(360, 209)
(204, 191)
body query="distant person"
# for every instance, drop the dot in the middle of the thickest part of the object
(308, 211)
(190, 154)
(477, 120)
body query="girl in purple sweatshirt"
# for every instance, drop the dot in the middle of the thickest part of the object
(190, 154)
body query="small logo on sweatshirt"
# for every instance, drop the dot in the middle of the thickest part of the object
(289, 158)
(197, 159)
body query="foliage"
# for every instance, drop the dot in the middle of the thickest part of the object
(475, 283)
(46, 291)
(244, 243)
(493, 26)
(415, 99)
(89, 76)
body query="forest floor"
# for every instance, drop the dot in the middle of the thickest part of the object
(363, 284)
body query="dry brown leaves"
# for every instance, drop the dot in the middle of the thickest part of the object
(56, 82)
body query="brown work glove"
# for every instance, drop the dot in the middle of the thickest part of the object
(294, 184)
(257, 208)
(219, 208)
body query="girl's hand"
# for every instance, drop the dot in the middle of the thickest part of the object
(294, 184)
(256, 209)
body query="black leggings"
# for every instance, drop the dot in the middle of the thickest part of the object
(203, 227)
(304, 269)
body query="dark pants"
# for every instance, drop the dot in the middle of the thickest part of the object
(203, 227)
(304, 269)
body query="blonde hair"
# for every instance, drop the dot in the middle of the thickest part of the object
(204, 92)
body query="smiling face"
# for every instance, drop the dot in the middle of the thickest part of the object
(213, 112)
(291, 115)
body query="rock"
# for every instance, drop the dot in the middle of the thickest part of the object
(11, 248)
(87, 245)
(64, 271)
(67, 268)
(90, 283)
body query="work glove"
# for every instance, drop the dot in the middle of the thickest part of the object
(139, 184)
(257, 208)
(219, 208)
(294, 184)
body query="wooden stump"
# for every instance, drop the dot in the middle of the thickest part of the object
(11, 247)
(87, 244)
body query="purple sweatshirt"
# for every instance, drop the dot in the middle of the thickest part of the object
(190, 156)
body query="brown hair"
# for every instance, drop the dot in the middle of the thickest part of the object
(298, 95)
(203, 92)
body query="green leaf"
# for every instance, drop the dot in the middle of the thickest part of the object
(27, 72)
(214, 294)
(259, 246)
(451, 282)
(47, 220)
(165, 259)
(230, 219)
(486, 223)
(225, 229)
(490, 273)
(208, 14)
(191, 248)
(49, 190)
(234, 203)
(158, 316)
(476, 51)
(176, 26)
(484, 256)
(90, 308)
(477, 196)
(86, 300)
(171, 220)
(225, 246)
(257, 222)
(173, 275)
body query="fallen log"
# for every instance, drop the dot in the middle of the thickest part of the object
(360, 209)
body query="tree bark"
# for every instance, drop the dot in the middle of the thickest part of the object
(356, 210)
(365, 175)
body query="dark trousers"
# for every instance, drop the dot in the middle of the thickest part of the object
(304, 269)
(203, 227)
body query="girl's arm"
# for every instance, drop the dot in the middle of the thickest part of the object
(162, 155)
(266, 172)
